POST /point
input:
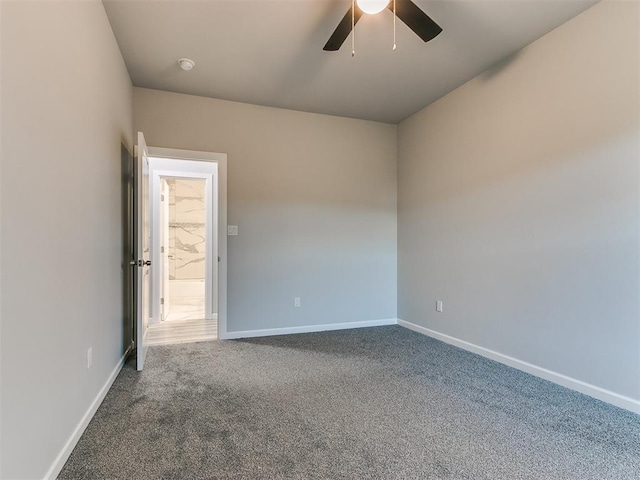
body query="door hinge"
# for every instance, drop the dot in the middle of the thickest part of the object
(162, 301)
(161, 249)
(162, 198)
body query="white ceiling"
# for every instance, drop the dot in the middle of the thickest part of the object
(269, 52)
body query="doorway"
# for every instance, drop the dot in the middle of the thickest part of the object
(185, 247)
(183, 239)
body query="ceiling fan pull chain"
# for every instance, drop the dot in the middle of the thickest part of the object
(394, 25)
(353, 28)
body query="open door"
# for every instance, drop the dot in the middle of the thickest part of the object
(128, 249)
(143, 250)
(164, 249)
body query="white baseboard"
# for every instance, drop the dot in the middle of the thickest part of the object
(309, 328)
(64, 454)
(578, 385)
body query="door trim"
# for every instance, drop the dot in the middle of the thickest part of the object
(185, 169)
(219, 192)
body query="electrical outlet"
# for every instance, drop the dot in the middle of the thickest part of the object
(232, 230)
(89, 357)
(439, 306)
(296, 302)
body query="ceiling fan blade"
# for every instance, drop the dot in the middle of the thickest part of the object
(342, 31)
(416, 19)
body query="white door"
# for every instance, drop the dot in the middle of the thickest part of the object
(164, 249)
(143, 250)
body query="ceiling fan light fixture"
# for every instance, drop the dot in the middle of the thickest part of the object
(372, 6)
(405, 10)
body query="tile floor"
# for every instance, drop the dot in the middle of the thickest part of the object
(185, 323)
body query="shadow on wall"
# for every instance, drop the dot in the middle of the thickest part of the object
(498, 67)
(545, 124)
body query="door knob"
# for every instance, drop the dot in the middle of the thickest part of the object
(140, 263)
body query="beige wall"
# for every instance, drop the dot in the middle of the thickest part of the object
(66, 108)
(519, 204)
(314, 198)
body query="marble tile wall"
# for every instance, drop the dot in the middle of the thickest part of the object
(186, 229)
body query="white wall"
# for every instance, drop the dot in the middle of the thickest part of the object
(314, 197)
(519, 205)
(66, 108)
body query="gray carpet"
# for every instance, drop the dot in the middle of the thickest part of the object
(371, 403)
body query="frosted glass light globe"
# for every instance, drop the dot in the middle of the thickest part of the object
(372, 6)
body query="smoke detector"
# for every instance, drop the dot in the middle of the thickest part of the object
(186, 64)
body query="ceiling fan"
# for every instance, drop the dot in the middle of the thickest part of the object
(405, 10)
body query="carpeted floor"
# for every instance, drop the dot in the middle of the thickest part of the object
(371, 403)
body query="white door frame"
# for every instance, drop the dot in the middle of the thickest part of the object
(185, 169)
(167, 162)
